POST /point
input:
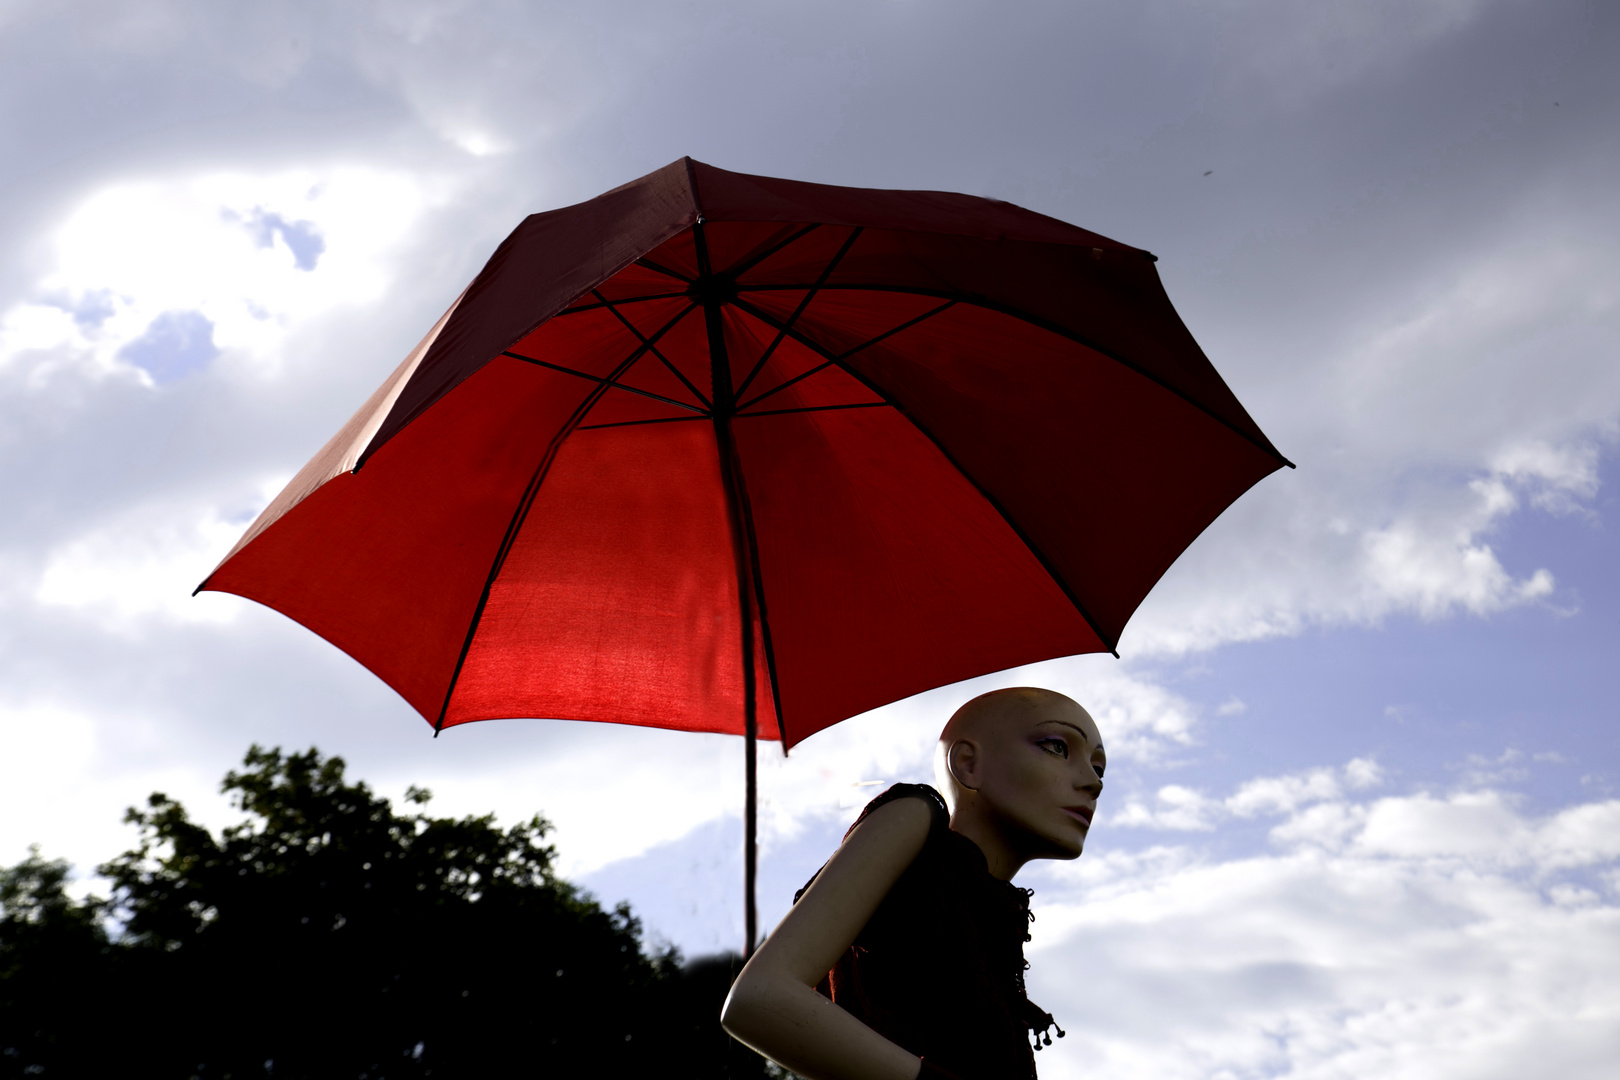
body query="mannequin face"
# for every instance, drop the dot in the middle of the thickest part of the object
(1028, 774)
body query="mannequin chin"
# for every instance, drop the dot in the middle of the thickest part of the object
(1021, 770)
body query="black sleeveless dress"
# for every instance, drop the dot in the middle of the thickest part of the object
(939, 968)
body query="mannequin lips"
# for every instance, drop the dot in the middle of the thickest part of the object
(1084, 813)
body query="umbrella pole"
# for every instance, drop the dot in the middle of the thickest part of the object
(713, 294)
(745, 602)
(750, 830)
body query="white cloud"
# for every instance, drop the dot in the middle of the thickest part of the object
(1179, 808)
(1320, 569)
(1363, 773)
(612, 792)
(1507, 767)
(1175, 807)
(146, 562)
(1282, 794)
(1410, 937)
(69, 776)
(1557, 478)
(1486, 387)
(1318, 808)
(1411, 568)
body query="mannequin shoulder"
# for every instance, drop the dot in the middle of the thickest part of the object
(876, 852)
(899, 827)
(846, 892)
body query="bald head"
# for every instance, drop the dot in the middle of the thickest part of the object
(1000, 709)
(1021, 769)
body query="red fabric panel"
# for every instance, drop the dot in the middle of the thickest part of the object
(387, 563)
(653, 375)
(620, 406)
(631, 282)
(541, 268)
(746, 341)
(597, 342)
(1109, 476)
(801, 261)
(686, 346)
(738, 243)
(552, 259)
(1109, 298)
(829, 387)
(885, 573)
(618, 601)
(731, 196)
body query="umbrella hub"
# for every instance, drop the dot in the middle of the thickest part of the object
(714, 290)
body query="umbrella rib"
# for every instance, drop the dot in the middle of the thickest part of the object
(1034, 549)
(819, 408)
(578, 308)
(652, 420)
(1053, 328)
(738, 269)
(628, 325)
(826, 272)
(847, 354)
(744, 267)
(666, 271)
(609, 381)
(527, 501)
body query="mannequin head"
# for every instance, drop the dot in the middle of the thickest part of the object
(1021, 770)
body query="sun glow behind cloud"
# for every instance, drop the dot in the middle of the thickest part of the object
(153, 278)
(156, 280)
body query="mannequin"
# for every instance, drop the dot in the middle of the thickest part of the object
(913, 925)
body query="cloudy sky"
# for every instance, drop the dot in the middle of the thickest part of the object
(1363, 814)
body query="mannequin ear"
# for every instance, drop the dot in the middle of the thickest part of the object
(963, 760)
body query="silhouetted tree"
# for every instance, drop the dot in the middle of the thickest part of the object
(54, 962)
(330, 935)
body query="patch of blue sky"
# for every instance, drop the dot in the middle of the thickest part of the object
(689, 892)
(306, 244)
(1434, 702)
(92, 309)
(176, 344)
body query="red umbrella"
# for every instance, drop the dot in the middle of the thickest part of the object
(712, 446)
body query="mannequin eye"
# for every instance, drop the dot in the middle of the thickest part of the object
(1054, 746)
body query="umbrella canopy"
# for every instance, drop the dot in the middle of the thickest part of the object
(961, 436)
(714, 446)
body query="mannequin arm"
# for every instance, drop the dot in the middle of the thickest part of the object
(774, 1006)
